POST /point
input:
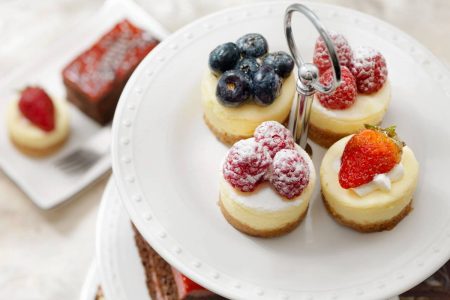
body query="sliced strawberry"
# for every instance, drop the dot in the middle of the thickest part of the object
(345, 94)
(37, 107)
(368, 153)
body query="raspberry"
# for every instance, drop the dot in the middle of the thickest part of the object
(369, 69)
(344, 52)
(289, 173)
(37, 107)
(245, 165)
(345, 94)
(274, 137)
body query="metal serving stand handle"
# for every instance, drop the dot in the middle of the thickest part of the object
(307, 81)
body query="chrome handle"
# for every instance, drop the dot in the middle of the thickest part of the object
(307, 83)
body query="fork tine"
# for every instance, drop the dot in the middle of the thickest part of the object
(74, 156)
(78, 161)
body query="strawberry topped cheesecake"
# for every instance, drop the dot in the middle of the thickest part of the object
(245, 86)
(362, 98)
(266, 182)
(37, 125)
(368, 180)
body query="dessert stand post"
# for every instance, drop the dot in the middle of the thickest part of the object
(307, 83)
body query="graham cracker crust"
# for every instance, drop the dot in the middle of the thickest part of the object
(38, 153)
(367, 228)
(224, 137)
(260, 233)
(323, 137)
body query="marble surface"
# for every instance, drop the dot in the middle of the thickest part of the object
(46, 254)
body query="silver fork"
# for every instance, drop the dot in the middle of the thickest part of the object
(83, 158)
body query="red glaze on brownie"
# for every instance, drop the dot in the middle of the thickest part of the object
(109, 60)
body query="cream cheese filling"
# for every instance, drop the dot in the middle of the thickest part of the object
(367, 109)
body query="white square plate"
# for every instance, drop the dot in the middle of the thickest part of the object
(46, 185)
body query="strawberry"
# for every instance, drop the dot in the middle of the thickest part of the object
(345, 94)
(368, 153)
(37, 107)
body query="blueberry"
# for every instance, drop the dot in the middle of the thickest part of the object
(248, 65)
(252, 45)
(223, 58)
(266, 85)
(233, 88)
(281, 62)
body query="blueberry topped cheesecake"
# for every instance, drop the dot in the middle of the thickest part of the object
(245, 86)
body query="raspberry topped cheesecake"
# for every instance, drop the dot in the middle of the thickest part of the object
(37, 125)
(266, 182)
(368, 180)
(362, 98)
(245, 86)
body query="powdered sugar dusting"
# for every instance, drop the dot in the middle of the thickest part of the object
(289, 173)
(342, 47)
(274, 137)
(345, 94)
(245, 165)
(266, 198)
(369, 68)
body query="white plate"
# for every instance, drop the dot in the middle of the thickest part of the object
(91, 283)
(119, 265)
(166, 163)
(46, 185)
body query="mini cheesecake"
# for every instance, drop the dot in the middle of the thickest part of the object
(373, 206)
(31, 130)
(273, 197)
(362, 98)
(245, 86)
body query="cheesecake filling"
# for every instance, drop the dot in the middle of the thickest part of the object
(367, 109)
(243, 120)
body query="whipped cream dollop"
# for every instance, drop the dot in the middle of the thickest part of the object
(380, 182)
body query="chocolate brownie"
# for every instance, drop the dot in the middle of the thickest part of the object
(163, 281)
(95, 79)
